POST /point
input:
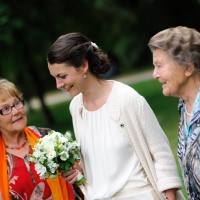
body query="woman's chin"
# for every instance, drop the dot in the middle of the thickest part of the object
(73, 93)
(166, 93)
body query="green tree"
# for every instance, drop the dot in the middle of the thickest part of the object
(121, 28)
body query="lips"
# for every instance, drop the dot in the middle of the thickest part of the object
(16, 120)
(162, 83)
(69, 88)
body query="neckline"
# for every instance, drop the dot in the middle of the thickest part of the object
(104, 104)
(195, 105)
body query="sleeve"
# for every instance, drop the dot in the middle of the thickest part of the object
(159, 149)
(40, 131)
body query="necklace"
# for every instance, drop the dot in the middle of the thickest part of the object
(17, 148)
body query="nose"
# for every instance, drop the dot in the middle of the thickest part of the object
(59, 84)
(14, 110)
(155, 74)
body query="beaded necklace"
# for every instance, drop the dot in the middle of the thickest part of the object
(17, 148)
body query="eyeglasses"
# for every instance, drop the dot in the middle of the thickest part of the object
(8, 109)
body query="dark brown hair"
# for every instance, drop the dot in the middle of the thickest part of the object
(74, 48)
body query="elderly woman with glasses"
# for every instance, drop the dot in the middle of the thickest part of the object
(18, 178)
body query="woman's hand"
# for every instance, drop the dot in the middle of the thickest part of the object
(71, 175)
(171, 194)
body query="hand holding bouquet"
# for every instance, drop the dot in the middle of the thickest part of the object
(55, 153)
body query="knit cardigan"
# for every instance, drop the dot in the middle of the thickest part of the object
(137, 121)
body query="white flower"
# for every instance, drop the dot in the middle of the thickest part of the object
(68, 134)
(51, 154)
(40, 169)
(64, 155)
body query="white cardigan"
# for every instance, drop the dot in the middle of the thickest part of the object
(133, 114)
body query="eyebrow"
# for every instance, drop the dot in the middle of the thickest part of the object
(4, 105)
(59, 75)
(8, 104)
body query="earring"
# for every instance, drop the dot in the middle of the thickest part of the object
(84, 75)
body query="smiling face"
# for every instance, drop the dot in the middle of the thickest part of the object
(14, 122)
(68, 77)
(171, 75)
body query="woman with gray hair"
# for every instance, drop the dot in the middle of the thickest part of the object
(176, 59)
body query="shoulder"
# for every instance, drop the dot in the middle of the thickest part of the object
(125, 89)
(76, 100)
(127, 94)
(75, 103)
(40, 130)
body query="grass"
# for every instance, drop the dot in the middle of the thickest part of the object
(60, 113)
(165, 109)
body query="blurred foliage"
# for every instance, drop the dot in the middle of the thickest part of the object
(121, 28)
(60, 111)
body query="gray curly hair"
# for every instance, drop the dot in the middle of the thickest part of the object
(181, 43)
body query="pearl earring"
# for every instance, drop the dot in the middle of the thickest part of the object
(85, 76)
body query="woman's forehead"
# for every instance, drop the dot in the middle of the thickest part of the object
(6, 97)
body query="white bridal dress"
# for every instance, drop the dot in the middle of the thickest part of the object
(112, 168)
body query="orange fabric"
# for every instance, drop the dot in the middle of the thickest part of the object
(3, 172)
(60, 189)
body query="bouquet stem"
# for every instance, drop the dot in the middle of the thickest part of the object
(85, 193)
(81, 183)
(80, 179)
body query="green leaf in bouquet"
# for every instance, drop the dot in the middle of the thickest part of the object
(80, 181)
(65, 166)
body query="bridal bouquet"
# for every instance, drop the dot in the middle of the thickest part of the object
(55, 152)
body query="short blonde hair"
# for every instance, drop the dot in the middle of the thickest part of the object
(8, 89)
